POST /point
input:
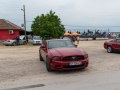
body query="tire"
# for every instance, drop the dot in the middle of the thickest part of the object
(109, 49)
(48, 67)
(40, 57)
(24, 43)
(14, 44)
(94, 38)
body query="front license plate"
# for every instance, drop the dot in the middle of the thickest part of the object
(37, 42)
(75, 63)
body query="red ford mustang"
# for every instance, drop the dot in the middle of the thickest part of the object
(60, 54)
(113, 45)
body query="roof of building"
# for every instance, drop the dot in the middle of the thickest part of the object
(5, 24)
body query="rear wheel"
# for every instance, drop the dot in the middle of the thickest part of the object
(24, 43)
(48, 65)
(94, 38)
(14, 44)
(109, 49)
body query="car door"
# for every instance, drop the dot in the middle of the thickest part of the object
(20, 41)
(114, 44)
(118, 44)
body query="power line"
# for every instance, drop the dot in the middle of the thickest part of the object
(84, 26)
(89, 26)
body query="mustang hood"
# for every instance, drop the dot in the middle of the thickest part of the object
(66, 51)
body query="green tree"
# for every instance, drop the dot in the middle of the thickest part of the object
(48, 26)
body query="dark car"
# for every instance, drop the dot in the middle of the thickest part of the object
(113, 45)
(60, 54)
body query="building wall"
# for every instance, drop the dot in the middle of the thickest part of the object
(4, 34)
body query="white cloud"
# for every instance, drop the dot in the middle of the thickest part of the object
(73, 12)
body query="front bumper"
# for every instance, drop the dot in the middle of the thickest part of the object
(105, 46)
(65, 65)
(37, 43)
(7, 43)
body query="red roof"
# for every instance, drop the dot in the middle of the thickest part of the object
(5, 24)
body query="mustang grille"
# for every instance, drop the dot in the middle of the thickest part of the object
(74, 58)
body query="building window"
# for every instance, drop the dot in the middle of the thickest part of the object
(11, 32)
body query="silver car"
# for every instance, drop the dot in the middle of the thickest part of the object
(13, 41)
(36, 40)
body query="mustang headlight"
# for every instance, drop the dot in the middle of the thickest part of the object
(56, 58)
(86, 56)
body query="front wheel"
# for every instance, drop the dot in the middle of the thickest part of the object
(24, 43)
(48, 66)
(109, 49)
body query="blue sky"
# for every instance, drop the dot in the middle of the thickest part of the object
(71, 12)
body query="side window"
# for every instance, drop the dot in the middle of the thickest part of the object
(118, 40)
(11, 32)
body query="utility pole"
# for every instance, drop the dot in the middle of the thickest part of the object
(24, 21)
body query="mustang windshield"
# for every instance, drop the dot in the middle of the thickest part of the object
(60, 43)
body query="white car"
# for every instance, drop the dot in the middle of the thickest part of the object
(36, 40)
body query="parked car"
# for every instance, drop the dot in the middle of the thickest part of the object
(113, 45)
(60, 54)
(36, 40)
(13, 41)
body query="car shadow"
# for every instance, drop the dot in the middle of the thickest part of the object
(115, 52)
(65, 72)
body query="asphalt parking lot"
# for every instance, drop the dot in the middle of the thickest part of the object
(21, 63)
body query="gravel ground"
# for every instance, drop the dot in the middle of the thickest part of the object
(21, 63)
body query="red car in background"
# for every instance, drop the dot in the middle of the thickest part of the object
(113, 45)
(60, 54)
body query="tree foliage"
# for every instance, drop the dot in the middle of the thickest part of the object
(48, 26)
